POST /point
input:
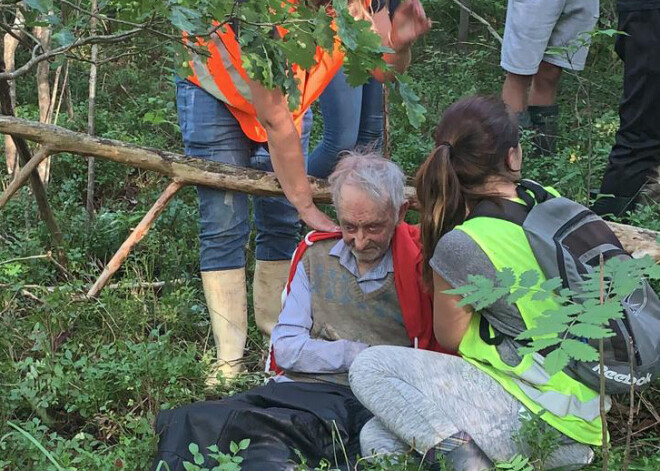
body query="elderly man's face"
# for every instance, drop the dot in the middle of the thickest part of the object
(367, 226)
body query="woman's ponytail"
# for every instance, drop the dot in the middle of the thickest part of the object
(442, 205)
(473, 140)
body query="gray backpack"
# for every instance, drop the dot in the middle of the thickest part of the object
(567, 240)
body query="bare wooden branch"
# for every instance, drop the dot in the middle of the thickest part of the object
(38, 58)
(193, 171)
(24, 175)
(138, 285)
(11, 40)
(138, 233)
(189, 170)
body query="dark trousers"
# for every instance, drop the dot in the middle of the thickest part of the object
(282, 420)
(636, 152)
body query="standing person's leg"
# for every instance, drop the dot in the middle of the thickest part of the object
(635, 156)
(436, 402)
(340, 109)
(570, 35)
(278, 230)
(371, 116)
(210, 131)
(542, 110)
(527, 31)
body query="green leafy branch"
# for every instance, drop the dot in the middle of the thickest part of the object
(268, 56)
(578, 317)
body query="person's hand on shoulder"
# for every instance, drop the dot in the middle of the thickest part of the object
(317, 219)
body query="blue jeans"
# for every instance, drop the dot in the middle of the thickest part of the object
(352, 117)
(211, 132)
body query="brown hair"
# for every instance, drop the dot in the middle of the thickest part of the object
(472, 142)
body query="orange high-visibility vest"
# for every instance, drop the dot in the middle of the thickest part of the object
(222, 75)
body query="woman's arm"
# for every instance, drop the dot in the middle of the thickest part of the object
(286, 154)
(450, 322)
(407, 24)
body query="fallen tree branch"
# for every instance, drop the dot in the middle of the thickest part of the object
(138, 233)
(155, 285)
(194, 171)
(24, 174)
(188, 170)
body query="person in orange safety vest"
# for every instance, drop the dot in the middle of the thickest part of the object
(226, 117)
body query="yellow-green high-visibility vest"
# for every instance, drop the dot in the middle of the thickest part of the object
(570, 407)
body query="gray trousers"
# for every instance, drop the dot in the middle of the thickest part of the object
(420, 398)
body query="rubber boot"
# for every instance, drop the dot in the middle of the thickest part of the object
(546, 127)
(269, 280)
(226, 298)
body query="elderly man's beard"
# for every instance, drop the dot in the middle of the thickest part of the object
(372, 254)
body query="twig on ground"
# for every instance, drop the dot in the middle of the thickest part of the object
(27, 294)
(29, 257)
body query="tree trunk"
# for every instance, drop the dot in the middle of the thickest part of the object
(90, 117)
(386, 122)
(10, 43)
(464, 26)
(42, 33)
(38, 188)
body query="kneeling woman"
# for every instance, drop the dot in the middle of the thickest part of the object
(469, 408)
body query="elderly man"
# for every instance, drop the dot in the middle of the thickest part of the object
(344, 295)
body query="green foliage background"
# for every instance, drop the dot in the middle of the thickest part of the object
(87, 379)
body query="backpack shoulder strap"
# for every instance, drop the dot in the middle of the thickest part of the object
(500, 208)
(540, 194)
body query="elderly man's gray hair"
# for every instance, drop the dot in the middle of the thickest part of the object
(373, 174)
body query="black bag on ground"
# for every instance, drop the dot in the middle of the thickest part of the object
(321, 421)
(567, 240)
